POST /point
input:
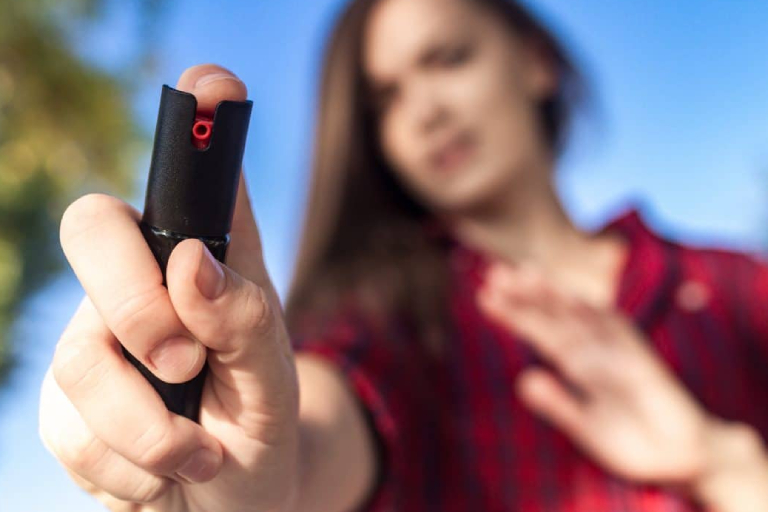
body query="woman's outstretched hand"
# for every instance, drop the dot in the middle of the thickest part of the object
(615, 397)
(105, 423)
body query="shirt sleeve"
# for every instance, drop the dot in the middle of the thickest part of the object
(754, 298)
(742, 280)
(383, 375)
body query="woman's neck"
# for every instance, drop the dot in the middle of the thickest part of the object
(530, 224)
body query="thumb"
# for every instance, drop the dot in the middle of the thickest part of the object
(250, 356)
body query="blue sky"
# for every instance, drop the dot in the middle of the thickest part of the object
(681, 132)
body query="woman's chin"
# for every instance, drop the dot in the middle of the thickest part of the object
(470, 194)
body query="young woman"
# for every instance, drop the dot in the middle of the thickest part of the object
(456, 342)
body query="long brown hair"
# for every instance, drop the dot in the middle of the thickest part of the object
(364, 239)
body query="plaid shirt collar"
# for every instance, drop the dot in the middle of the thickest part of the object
(651, 272)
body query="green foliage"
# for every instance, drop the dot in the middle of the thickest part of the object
(66, 128)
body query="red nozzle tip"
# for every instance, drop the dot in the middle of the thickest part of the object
(201, 132)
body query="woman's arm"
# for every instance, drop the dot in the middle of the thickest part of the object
(735, 478)
(337, 449)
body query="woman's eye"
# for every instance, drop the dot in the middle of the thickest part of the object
(454, 56)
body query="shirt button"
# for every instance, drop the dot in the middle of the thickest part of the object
(692, 296)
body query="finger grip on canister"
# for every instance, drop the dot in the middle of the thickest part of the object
(191, 192)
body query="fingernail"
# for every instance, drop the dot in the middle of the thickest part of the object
(201, 466)
(214, 77)
(175, 357)
(210, 277)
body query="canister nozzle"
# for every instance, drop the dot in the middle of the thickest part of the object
(201, 132)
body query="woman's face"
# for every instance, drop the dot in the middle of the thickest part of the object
(456, 93)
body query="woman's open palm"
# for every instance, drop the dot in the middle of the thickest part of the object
(615, 397)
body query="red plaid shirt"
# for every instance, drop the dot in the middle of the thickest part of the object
(454, 437)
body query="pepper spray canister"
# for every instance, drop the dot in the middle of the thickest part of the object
(191, 192)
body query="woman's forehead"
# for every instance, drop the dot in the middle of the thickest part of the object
(397, 31)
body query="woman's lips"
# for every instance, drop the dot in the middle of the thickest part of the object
(453, 153)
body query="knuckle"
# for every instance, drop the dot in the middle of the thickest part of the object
(82, 453)
(131, 313)
(85, 214)
(257, 312)
(270, 429)
(77, 364)
(154, 447)
(147, 490)
(215, 331)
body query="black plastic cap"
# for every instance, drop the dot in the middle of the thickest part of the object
(192, 191)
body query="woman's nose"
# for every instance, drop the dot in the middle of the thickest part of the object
(425, 107)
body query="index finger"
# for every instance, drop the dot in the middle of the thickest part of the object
(102, 241)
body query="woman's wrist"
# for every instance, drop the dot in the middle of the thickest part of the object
(734, 476)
